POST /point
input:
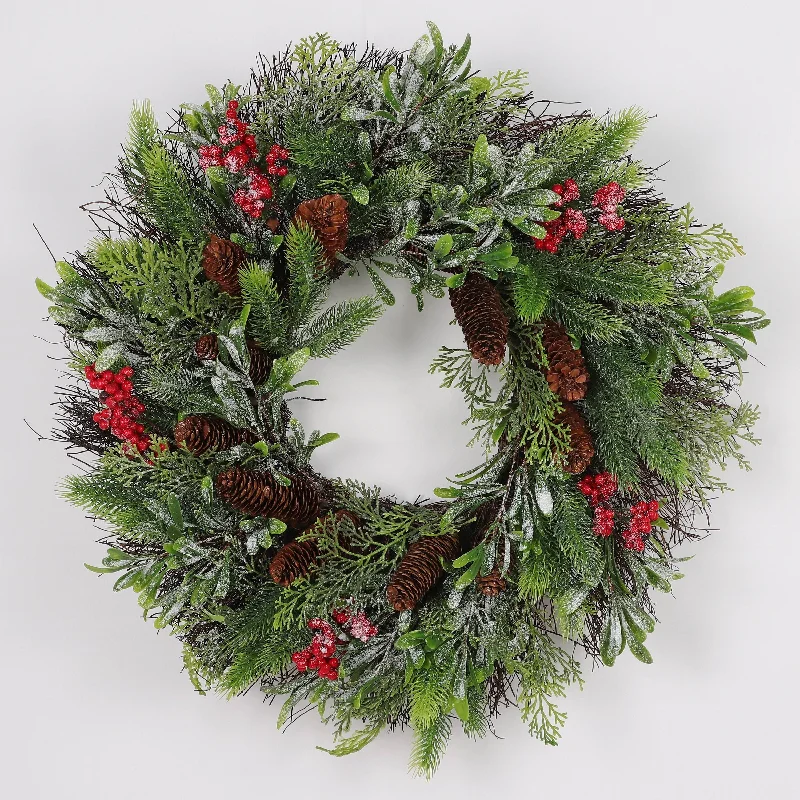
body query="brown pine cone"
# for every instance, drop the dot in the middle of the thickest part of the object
(207, 349)
(201, 434)
(296, 559)
(566, 371)
(222, 260)
(260, 495)
(492, 584)
(581, 447)
(480, 314)
(420, 570)
(327, 217)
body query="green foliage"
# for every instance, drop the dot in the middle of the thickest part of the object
(157, 181)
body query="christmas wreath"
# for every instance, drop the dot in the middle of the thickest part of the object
(588, 296)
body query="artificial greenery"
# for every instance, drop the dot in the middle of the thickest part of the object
(445, 173)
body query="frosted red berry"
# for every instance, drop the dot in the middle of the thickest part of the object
(603, 521)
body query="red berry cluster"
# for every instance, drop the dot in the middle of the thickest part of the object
(599, 489)
(608, 197)
(643, 515)
(240, 159)
(122, 407)
(573, 221)
(603, 521)
(319, 655)
(357, 625)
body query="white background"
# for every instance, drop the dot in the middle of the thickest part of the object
(92, 701)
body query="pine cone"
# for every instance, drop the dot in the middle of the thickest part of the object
(221, 262)
(566, 371)
(480, 314)
(207, 349)
(492, 584)
(296, 559)
(201, 434)
(581, 448)
(327, 217)
(260, 495)
(420, 570)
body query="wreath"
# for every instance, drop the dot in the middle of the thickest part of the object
(598, 374)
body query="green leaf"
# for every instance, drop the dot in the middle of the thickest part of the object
(292, 364)
(360, 194)
(499, 255)
(734, 348)
(447, 492)
(174, 506)
(529, 228)
(353, 743)
(468, 576)
(633, 631)
(657, 581)
(65, 271)
(214, 94)
(444, 244)
(381, 289)
(103, 570)
(45, 290)
(287, 183)
(438, 43)
(612, 640)
(324, 439)
(433, 642)
(476, 554)
(457, 280)
(387, 88)
(385, 115)
(461, 707)
(110, 356)
(460, 56)
(410, 639)
(480, 153)
(640, 651)
(739, 330)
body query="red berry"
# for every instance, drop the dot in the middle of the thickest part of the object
(340, 617)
